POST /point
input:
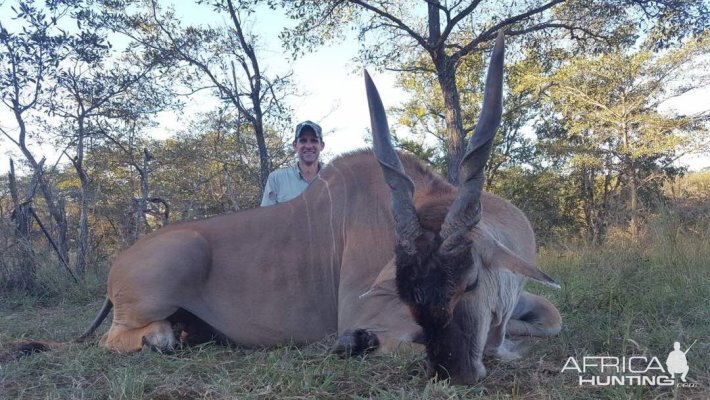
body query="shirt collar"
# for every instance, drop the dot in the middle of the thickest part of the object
(298, 170)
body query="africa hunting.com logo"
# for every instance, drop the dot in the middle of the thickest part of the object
(632, 371)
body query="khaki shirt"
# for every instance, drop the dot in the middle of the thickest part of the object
(283, 185)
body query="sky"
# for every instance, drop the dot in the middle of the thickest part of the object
(330, 86)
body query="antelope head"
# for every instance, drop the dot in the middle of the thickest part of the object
(437, 267)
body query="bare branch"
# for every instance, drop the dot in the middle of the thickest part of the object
(546, 25)
(7, 135)
(491, 32)
(398, 23)
(457, 18)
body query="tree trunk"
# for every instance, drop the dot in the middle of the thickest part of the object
(455, 136)
(263, 152)
(83, 244)
(143, 205)
(633, 180)
(603, 213)
(231, 190)
(587, 204)
(634, 223)
(591, 207)
(139, 206)
(23, 277)
(61, 226)
(55, 207)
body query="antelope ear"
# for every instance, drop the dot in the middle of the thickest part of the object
(385, 281)
(498, 256)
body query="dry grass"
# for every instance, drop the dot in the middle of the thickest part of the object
(632, 297)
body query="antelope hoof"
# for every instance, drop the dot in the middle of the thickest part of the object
(354, 342)
(159, 343)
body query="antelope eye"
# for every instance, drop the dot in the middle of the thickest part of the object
(472, 282)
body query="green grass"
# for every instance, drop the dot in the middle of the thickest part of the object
(630, 297)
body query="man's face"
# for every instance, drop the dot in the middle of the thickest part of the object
(308, 147)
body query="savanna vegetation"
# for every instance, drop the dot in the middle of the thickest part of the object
(587, 149)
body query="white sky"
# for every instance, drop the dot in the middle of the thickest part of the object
(332, 90)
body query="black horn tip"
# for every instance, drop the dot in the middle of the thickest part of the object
(368, 78)
(377, 109)
(499, 46)
(370, 84)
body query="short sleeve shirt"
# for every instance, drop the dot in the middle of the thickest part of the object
(283, 185)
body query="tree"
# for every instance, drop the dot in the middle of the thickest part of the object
(65, 86)
(396, 33)
(609, 130)
(423, 115)
(212, 166)
(25, 272)
(120, 165)
(32, 55)
(222, 59)
(92, 87)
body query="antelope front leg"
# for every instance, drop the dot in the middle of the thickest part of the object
(497, 346)
(481, 325)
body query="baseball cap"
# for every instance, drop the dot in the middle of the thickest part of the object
(309, 125)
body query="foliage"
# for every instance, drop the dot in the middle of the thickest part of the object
(209, 168)
(32, 52)
(610, 135)
(382, 25)
(690, 187)
(599, 132)
(543, 196)
(423, 115)
(212, 167)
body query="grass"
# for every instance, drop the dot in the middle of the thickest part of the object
(630, 297)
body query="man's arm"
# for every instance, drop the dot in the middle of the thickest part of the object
(269, 197)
